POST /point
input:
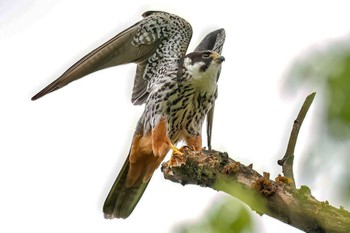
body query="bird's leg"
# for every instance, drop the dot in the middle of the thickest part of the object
(177, 154)
(194, 142)
(175, 149)
(160, 140)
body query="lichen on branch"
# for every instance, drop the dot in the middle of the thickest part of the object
(276, 198)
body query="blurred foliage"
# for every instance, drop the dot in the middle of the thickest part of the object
(326, 70)
(226, 215)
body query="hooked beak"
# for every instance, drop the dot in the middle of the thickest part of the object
(218, 58)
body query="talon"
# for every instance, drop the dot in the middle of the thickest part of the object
(176, 155)
(175, 150)
(192, 148)
(184, 148)
(176, 159)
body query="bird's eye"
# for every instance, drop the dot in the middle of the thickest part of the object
(205, 55)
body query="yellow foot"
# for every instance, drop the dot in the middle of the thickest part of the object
(176, 156)
(175, 150)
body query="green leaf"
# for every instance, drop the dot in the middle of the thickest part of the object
(225, 215)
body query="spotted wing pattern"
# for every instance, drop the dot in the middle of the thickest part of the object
(175, 109)
(178, 91)
(178, 33)
(158, 39)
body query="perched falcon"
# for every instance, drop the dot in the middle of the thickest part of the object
(178, 91)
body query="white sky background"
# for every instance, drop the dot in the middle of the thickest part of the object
(60, 155)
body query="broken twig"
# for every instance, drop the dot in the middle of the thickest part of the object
(287, 161)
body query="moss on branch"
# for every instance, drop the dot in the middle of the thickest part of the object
(276, 198)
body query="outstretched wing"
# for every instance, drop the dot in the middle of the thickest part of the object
(150, 43)
(213, 41)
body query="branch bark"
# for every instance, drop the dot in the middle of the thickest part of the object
(277, 198)
(287, 161)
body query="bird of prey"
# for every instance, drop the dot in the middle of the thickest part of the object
(178, 91)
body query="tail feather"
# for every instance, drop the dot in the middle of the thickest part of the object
(122, 199)
(135, 174)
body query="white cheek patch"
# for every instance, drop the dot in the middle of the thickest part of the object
(202, 80)
(187, 62)
(193, 69)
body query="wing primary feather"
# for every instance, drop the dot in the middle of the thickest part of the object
(210, 118)
(213, 41)
(93, 61)
(145, 41)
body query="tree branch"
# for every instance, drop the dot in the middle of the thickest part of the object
(279, 198)
(288, 159)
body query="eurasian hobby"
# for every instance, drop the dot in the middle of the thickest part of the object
(178, 91)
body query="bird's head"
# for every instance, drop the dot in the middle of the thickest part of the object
(203, 63)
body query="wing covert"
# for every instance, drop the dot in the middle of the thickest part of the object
(146, 43)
